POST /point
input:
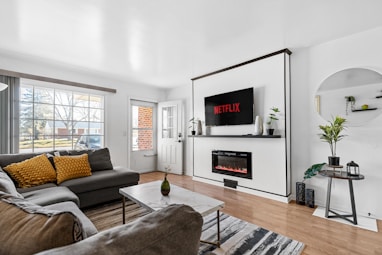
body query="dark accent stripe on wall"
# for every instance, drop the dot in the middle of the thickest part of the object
(53, 80)
(244, 63)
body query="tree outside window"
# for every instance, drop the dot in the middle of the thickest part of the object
(52, 119)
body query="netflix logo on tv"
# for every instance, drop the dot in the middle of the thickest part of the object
(219, 109)
(232, 108)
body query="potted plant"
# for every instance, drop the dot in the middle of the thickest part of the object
(300, 186)
(332, 134)
(271, 118)
(349, 100)
(193, 122)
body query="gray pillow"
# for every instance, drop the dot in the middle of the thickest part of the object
(26, 228)
(175, 229)
(98, 159)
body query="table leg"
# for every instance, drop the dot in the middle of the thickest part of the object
(123, 209)
(217, 243)
(328, 192)
(218, 223)
(352, 202)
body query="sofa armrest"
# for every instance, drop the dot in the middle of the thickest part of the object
(175, 229)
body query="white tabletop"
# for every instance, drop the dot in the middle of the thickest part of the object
(149, 196)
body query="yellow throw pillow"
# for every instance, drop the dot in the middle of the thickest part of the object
(32, 172)
(71, 167)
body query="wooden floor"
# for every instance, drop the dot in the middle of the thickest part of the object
(320, 236)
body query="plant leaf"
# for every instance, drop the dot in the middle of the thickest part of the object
(312, 171)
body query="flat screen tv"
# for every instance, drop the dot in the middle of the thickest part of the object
(232, 108)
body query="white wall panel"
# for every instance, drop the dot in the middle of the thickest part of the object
(269, 155)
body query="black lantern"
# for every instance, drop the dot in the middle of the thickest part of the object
(352, 168)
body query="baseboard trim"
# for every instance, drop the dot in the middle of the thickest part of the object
(283, 199)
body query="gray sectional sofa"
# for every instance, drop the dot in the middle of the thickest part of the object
(46, 219)
(102, 186)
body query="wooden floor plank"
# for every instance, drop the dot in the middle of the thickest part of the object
(320, 236)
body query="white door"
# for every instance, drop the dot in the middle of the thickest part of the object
(170, 136)
(143, 136)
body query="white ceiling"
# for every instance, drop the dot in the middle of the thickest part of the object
(164, 43)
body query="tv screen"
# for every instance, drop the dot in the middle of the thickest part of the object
(232, 108)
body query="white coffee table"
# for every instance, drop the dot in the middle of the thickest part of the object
(149, 196)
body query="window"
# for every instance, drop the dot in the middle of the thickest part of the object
(168, 122)
(57, 119)
(142, 128)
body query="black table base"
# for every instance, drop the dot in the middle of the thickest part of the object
(339, 175)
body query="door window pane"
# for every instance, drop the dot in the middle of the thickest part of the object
(168, 122)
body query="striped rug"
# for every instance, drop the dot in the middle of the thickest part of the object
(237, 236)
(241, 237)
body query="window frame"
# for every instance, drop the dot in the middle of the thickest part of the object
(77, 103)
(152, 105)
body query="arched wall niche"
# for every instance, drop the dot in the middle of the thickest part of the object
(353, 93)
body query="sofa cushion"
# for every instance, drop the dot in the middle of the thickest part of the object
(98, 159)
(7, 185)
(32, 172)
(26, 228)
(87, 225)
(102, 179)
(173, 230)
(42, 186)
(70, 167)
(7, 159)
(51, 196)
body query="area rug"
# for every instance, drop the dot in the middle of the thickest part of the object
(237, 236)
(363, 222)
(241, 237)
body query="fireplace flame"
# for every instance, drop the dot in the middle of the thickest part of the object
(231, 169)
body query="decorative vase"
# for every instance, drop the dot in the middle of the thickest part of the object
(309, 197)
(208, 130)
(165, 187)
(200, 131)
(300, 193)
(258, 126)
(334, 161)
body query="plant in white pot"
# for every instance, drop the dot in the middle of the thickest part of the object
(332, 134)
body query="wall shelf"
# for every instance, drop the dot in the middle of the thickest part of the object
(235, 136)
(362, 110)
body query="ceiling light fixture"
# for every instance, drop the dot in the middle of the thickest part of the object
(3, 86)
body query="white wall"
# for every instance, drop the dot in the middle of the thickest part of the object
(184, 93)
(116, 105)
(269, 155)
(118, 118)
(310, 67)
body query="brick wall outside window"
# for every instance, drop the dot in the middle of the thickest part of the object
(145, 125)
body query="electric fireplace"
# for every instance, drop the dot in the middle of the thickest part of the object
(234, 163)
